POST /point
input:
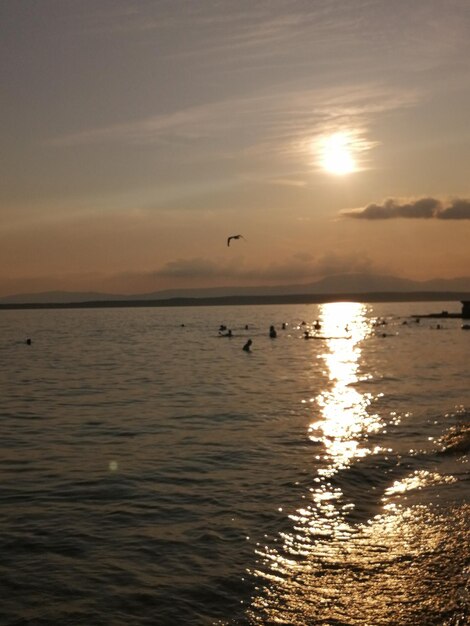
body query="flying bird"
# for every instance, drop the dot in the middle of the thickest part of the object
(234, 237)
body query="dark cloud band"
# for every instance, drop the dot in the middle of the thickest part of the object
(423, 208)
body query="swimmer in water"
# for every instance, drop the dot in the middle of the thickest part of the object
(247, 346)
(272, 332)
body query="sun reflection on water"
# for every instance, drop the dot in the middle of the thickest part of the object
(330, 567)
(339, 432)
(343, 422)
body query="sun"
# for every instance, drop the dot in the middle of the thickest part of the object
(336, 154)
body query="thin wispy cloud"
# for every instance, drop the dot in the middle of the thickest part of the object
(222, 32)
(275, 121)
(422, 208)
(229, 26)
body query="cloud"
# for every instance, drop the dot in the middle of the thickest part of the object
(197, 272)
(265, 122)
(459, 209)
(422, 208)
(193, 268)
(300, 267)
(332, 263)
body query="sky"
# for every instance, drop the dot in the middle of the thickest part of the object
(138, 135)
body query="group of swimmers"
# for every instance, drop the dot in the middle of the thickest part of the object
(317, 326)
(227, 332)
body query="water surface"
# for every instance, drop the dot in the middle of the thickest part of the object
(152, 472)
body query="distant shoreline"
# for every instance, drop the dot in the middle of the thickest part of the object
(250, 300)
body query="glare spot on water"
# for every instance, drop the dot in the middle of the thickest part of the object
(418, 480)
(113, 466)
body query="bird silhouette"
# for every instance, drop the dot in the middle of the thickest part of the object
(234, 237)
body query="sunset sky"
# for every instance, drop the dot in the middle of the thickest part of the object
(137, 135)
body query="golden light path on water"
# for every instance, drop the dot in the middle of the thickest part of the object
(333, 567)
(343, 422)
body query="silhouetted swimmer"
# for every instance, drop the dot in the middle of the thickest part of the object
(246, 326)
(228, 334)
(28, 341)
(303, 323)
(284, 326)
(317, 325)
(306, 335)
(272, 332)
(222, 327)
(247, 346)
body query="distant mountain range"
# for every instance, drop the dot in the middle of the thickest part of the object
(338, 284)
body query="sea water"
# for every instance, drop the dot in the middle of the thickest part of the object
(153, 472)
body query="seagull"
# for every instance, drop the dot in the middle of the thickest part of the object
(234, 237)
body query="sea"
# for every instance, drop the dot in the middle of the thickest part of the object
(152, 472)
